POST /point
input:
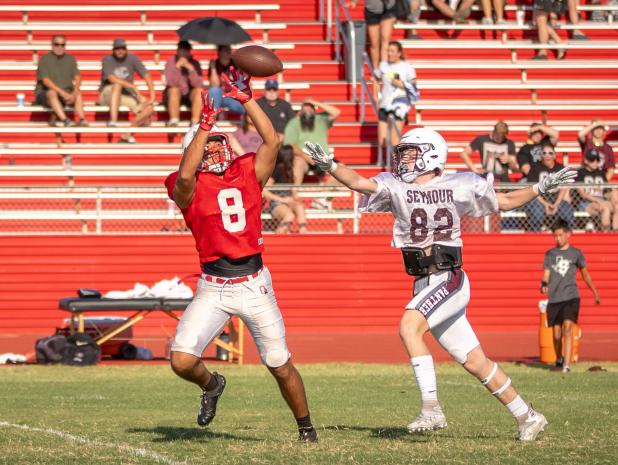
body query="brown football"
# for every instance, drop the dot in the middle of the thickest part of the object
(257, 61)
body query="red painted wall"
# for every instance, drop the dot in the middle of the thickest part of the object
(323, 283)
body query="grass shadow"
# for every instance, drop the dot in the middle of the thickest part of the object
(179, 433)
(401, 433)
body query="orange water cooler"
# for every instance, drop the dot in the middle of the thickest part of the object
(546, 339)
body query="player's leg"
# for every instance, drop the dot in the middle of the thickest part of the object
(429, 291)
(530, 422)
(263, 318)
(554, 320)
(202, 321)
(557, 336)
(412, 327)
(567, 331)
(570, 317)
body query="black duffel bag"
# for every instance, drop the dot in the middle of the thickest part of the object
(81, 349)
(50, 349)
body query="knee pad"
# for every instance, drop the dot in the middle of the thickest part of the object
(456, 337)
(274, 358)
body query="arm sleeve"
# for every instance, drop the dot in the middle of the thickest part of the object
(546, 261)
(581, 260)
(379, 201)
(289, 112)
(170, 182)
(107, 68)
(483, 200)
(171, 76)
(476, 144)
(510, 146)
(523, 157)
(139, 66)
(42, 70)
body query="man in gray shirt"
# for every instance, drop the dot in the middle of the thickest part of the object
(559, 282)
(117, 87)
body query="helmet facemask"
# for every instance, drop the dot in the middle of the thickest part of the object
(409, 160)
(217, 155)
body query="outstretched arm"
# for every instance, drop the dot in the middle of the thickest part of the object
(344, 175)
(514, 199)
(590, 284)
(184, 189)
(266, 155)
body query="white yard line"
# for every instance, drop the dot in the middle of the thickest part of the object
(128, 450)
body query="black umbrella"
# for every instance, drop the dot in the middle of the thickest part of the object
(213, 30)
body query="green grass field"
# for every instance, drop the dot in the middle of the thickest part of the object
(145, 415)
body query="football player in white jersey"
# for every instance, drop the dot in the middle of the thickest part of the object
(428, 205)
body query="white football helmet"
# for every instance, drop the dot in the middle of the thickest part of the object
(431, 152)
(216, 160)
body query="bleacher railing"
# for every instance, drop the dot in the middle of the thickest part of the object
(148, 210)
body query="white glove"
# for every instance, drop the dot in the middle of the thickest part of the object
(555, 180)
(323, 160)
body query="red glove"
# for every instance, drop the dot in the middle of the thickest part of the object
(239, 89)
(209, 113)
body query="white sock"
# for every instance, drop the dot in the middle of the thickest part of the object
(426, 380)
(518, 407)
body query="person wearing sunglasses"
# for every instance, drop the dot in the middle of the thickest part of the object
(552, 204)
(530, 152)
(58, 84)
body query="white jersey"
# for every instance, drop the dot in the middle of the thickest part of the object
(431, 213)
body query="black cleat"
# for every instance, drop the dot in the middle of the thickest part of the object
(208, 406)
(307, 435)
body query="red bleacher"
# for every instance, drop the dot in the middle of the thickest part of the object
(323, 282)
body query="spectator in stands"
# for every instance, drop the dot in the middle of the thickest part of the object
(183, 78)
(118, 87)
(222, 65)
(553, 204)
(246, 138)
(278, 110)
(497, 153)
(58, 83)
(399, 92)
(542, 11)
(488, 17)
(530, 152)
(309, 126)
(594, 136)
(458, 14)
(380, 19)
(284, 206)
(592, 199)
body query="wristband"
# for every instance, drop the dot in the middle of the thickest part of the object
(543, 284)
(535, 189)
(333, 167)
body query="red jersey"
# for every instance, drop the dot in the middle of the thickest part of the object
(225, 215)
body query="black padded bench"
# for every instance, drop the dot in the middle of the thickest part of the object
(141, 308)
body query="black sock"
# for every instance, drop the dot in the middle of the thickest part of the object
(212, 384)
(304, 422)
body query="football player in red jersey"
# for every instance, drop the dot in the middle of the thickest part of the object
(220, 196)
